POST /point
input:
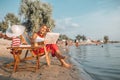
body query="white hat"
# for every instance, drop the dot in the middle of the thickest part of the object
(15, 30)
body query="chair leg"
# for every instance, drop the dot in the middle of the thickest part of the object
(16, 60)
(26, 54)
(37, 63)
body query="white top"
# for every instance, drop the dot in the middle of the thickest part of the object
(39, 39)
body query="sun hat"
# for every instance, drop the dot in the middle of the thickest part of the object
(15, 30)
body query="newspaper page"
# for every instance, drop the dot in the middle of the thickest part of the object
(51, 38)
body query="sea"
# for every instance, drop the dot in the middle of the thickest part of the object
(97, 62)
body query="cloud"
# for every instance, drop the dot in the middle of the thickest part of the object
(103, 22)
(95, 24)
(66, 26)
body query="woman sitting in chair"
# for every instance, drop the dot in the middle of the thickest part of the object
(52, 48)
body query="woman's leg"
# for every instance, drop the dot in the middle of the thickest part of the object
(59, 55)
(56, 52)
(61, 59)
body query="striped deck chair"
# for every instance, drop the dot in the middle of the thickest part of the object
(25, 39)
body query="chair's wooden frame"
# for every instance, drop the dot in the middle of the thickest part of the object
(17, 58)
(46, 53)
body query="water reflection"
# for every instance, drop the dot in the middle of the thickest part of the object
(101, 63)
(106, 50)
(83, 53)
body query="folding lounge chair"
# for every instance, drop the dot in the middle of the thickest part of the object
(27, 41)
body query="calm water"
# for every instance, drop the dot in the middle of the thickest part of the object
(101, 63)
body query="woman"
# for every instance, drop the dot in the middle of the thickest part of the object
(52, 48)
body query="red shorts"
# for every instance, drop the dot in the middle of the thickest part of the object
(50, 47)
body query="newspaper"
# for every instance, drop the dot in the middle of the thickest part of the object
(51, 38)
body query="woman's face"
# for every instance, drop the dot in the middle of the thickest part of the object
(43, 29)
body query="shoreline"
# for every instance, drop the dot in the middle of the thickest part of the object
(27, 71)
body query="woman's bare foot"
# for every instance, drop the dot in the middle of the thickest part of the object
(64, 63)
(67, 65)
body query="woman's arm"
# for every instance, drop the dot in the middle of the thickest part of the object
(34, 36)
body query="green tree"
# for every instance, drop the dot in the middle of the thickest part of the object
(78, 37)
(9, 17)
(14, 20)
(83, 37)
(3, 26)
(63, 36)
(0, 26)
(36, 13)
(106, 38)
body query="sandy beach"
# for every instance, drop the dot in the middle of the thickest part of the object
(26, 69)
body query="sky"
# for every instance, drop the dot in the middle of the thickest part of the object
(92, 18)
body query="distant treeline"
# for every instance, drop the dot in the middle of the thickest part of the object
(114, 41)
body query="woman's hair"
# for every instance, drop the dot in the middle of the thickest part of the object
(48, 28)
(43, 25)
